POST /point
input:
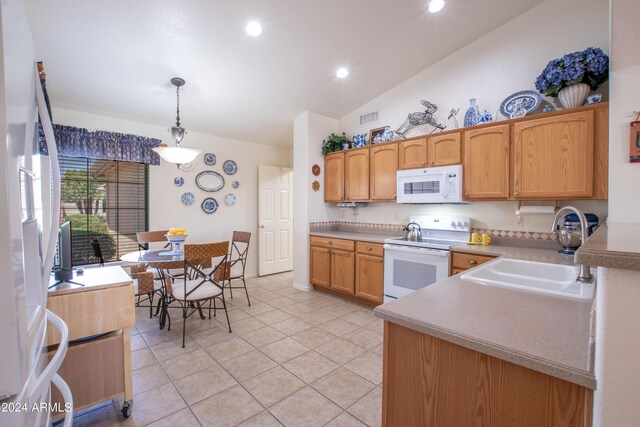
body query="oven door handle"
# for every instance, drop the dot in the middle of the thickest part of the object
(415, 250)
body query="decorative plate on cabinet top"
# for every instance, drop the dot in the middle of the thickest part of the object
(210, 159)
(178, 181)
(527, 99)
(186, 166)
(230, 199)
(187, 198)
(315, 170)
(229, 167)
(209, 181)
(209, 205)
(235, 184)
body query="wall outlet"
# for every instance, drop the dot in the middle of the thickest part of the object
(519, 220)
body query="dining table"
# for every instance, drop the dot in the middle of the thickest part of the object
(162, 260)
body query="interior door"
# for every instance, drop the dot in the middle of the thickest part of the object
(275, 216)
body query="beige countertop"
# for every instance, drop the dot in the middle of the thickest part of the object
(363, 237)
(545, 333)
(613, 246)
(92, 279)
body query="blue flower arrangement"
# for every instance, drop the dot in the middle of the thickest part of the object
(590, 66)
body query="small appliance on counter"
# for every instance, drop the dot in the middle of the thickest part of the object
(415, 261)
(569, 236)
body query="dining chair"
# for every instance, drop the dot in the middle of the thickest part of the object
(195, 286)
(145, 238)
(236, 264)
(145, 287)
(97, 251)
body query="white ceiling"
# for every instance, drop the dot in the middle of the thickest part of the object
(116, 57)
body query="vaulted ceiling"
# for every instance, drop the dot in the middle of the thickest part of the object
(116, 57)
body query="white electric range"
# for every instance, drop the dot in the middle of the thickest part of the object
(410, 265)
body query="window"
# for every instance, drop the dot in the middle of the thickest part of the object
(104, 200)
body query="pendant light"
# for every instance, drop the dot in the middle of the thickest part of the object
(178, 154)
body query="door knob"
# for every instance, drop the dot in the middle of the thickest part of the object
(261, 225)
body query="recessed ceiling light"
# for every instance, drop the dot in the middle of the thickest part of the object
(342, 73)
(436, 6)
(253, 29)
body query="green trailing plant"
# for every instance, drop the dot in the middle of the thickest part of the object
(334, 143)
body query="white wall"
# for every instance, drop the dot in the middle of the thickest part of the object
(308, 205)
(504, 61)
(618, 320)
(165, 208)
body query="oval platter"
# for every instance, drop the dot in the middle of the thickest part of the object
(530, 101)
(209, 181)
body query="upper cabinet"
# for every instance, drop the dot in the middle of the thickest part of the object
(486, 163)
(443, 150)
(412, 154)
(383, 168)
(356, 171)
(553, 157)
(334, 177)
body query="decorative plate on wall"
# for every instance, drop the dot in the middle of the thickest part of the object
(210, 159)
(178, 181)
(315, 170)
(187, 198)
(229, 167)
(230, 199)
(209, 205)
(315, 185)
(209, 181)
(186, 166)
(235, 184)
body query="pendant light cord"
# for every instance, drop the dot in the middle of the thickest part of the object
(178, 106)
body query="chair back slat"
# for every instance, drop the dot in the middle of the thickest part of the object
(146, 237)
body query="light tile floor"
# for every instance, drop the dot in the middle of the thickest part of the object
(294, 358)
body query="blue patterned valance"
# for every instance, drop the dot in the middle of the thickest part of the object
(79, 142)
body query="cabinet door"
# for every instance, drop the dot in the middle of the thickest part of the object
(553, 157)
(384, 165)
(334, 177)
(413, 154)
(320, 266)
(486, 163)
(342, 271)
(357, 174)
(444, 150)
(369, 277)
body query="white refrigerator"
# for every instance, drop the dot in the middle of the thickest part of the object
(29, 217)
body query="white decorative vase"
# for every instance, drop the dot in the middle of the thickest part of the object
(573, 95)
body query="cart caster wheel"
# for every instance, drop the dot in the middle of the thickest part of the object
(126, 409)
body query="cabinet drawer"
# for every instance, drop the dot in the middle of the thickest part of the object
(366, 248)
(325, 242)
(464, 261)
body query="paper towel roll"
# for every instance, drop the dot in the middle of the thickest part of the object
(538, 209)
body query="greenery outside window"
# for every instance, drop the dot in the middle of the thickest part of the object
(105, 200)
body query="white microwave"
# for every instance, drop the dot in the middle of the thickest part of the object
(430, 185)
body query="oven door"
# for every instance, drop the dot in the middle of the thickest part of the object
(408, 268)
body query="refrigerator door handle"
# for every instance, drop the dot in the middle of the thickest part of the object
(45, 378)
(65, 391)
(47, 127)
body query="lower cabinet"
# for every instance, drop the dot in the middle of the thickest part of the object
(461, 261)
(348, 267)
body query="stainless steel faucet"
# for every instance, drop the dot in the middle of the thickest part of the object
(585, 269)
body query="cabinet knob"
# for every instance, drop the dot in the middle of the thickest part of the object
(433, 162)
(473, 262)
(422, 163)
(380, 260)
(369, 248)
(517, 194)
(330, 242)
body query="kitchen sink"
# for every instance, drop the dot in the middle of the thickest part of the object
(554, 279)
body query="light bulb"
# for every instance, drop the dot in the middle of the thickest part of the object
(436, 6)
(342, 73)
(253, 29)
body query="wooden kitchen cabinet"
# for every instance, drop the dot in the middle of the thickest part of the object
(370, 272)
(486, 163)
(431, 382)
(443, 150)
(334, 177)
(554, 157)
(412, 154)
(356, 174)
(461, 261)
(383, 168)
(342, 271)
(320, 266)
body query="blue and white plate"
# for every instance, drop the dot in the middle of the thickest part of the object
(178, 181)
(229, 167)
(209, 205)
(187, 198)
(210, 159)
(230, 199)
(235, 184)
(530, 101)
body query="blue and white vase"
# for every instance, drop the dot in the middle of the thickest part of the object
(472, 115)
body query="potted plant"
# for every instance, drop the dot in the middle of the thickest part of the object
(571, 77)
(335, 143)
